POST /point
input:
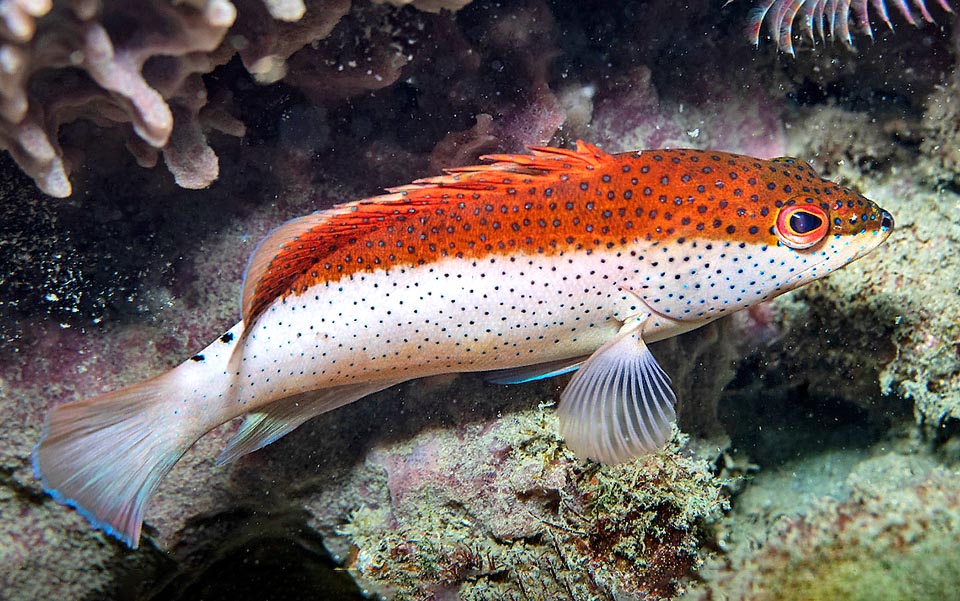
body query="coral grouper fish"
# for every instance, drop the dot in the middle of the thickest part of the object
(530, 266)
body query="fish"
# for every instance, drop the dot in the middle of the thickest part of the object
(823, 19)
(526, 266)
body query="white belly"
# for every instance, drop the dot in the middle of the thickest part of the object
(449, 316)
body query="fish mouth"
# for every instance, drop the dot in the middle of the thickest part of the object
(886, 228)
(886, 222)
(880, 237)
(882, 233)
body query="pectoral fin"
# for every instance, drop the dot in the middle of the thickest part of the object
(619, 404)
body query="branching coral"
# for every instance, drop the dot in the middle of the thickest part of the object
(265, 41)
(86, 60)
(136, 68)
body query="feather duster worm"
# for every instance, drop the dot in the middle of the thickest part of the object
(820, 19)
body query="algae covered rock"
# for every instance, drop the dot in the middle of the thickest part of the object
(502, 509)
(891, 536)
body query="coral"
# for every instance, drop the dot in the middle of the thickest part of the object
(28, 542)
(530, 113)
(285, 10)
(843, 145)
(265, 44)
(941, 126)
(451, 486)
(901, 312)
(825, 19)
(533, 120)
(629, 114)
(366, 54)
(862, 349)
(926, 335)
(524, 35)
(111, 46)
(136, 69)
(940, 129)
(461, 147)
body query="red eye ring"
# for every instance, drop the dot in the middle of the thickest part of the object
(802, 226)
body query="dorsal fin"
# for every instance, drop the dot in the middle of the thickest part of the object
(263, 281)
(290, 253)
(540, 161)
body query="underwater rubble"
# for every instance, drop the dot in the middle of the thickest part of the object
(820, 434)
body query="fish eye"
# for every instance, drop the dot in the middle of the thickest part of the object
(802, 226)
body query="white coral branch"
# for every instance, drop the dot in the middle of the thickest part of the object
(64, 60)
(75, 36)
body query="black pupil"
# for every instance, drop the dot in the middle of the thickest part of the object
(803, 222)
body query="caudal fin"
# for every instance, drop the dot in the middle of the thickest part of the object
(107, 455)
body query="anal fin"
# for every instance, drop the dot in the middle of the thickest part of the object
(619, 404)
(279, 418)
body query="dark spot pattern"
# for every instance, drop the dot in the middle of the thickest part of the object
(463, 273)
(447, 216)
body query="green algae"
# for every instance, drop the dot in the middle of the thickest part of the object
(891, 535)
(894, 539)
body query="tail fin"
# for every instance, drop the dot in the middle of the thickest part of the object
(107, 455)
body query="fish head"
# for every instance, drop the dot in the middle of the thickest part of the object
(765, 228)
(817, 234)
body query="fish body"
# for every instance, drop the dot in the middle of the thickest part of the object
(530, 266)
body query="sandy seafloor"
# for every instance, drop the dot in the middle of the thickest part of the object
(820, 453)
